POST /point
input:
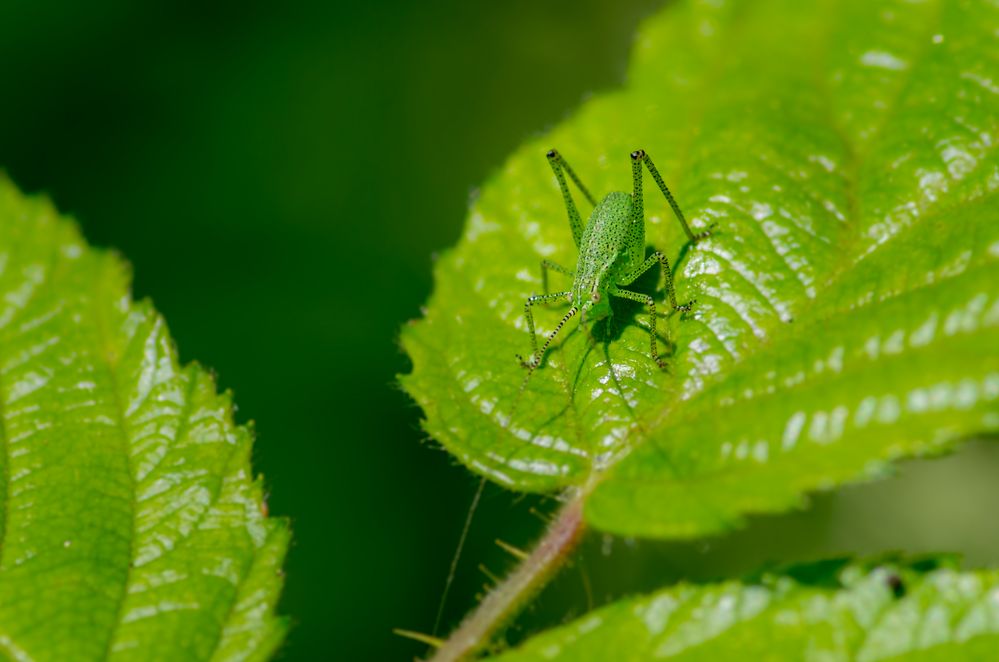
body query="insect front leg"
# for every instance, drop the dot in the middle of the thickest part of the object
(537, 355)
(638, 157)
(558, 164)
(629, 278)
(651, 303)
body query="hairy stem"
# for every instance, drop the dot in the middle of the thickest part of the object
(506, 599)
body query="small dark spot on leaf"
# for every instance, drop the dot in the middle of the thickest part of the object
(896, 584)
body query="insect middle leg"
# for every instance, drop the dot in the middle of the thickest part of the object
(629, 278)
(651, 303)
(536, 354)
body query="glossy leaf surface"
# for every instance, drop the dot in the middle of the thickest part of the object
(131, 527)
(847, 303)
(880, 613)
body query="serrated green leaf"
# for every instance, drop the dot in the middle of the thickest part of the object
(131, 527)
(885, 612)
(848, 302)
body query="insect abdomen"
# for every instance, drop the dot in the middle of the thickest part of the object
(606, 235)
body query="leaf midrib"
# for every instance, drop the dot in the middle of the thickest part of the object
(105, 338)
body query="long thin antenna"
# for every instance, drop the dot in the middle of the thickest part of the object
(457, 553)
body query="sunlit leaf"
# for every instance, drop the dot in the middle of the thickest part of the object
(131, 526)
(885, 612)
(847, 304)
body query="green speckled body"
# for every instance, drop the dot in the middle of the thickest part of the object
(612, 246)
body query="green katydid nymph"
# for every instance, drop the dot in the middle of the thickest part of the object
(611, 255)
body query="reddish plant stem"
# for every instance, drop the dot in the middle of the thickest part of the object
(506, 599)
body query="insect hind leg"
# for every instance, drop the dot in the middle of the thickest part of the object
(639, 157)
(561, 168)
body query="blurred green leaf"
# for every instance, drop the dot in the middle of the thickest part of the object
(848, 307)
(130, 523)
(877, 613)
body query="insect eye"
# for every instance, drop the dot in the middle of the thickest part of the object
(596, 297)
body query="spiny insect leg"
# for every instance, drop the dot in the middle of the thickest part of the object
(544, 348)
(667, 272)
(638, 157)
(558, 164)
(535, 354)
(548, 264)
(651, 303)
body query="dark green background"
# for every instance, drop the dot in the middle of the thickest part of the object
(280, 174)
